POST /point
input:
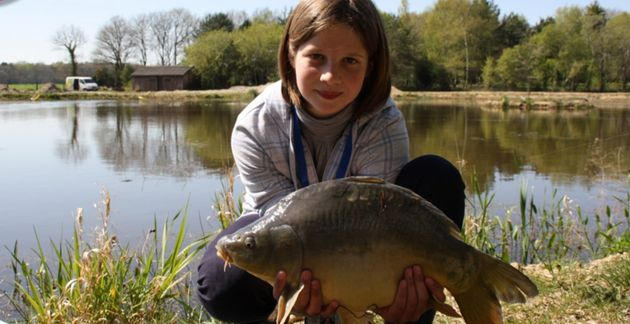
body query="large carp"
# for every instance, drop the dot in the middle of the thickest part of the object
(357, 235)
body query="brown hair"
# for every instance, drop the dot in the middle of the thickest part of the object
(312, 16)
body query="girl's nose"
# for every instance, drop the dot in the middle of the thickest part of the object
(329, 73)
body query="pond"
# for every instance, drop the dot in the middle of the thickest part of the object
(155, 159)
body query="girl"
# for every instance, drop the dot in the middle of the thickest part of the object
(330, 116)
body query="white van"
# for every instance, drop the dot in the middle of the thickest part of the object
(80, 83)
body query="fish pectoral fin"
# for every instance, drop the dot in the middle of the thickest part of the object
(346, 316)
(479, 305)
(286, 302)
(443, 308)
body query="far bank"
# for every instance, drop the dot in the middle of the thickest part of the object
(486, 99)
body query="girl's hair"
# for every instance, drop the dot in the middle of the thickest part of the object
(312, 16)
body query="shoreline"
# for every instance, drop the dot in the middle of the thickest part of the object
(543, 100)
(487, 99)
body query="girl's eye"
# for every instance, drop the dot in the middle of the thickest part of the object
(316, 57)
(351, 61)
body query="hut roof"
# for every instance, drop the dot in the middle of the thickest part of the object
(161, 71)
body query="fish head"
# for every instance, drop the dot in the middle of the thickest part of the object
(263, 251)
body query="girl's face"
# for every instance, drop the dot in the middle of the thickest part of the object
(329, 69)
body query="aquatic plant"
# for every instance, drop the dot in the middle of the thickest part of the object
(552, 234)
(103, 281)
(227, 208)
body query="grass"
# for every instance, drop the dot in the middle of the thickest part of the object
(581, 264)
(32, 92)
(611, 287)
(31, 86)
(596, 292)
(102, 281)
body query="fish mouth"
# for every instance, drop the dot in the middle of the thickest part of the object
(223, 254)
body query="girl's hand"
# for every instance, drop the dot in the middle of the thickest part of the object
(310, 299)
(412, 297)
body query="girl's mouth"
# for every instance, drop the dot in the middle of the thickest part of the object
(329, 95)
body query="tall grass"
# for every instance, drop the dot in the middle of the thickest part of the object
(104, 282)
(552, 234)
(228, 208)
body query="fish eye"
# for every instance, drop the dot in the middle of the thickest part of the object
(250, 242)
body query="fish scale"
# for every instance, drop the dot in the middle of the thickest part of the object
(357, 235)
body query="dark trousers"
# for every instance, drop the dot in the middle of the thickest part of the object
(439, 182)
(236, 296)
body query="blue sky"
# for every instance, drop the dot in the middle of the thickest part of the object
(27, 26)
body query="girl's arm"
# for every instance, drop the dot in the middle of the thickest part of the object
(262, 163)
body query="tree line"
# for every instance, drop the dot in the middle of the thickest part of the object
(463, 44)
(39, 73)
(454, 45)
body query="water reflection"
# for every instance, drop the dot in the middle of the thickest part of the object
(177, 140)
(70, 149)
(154, 158)
(568, 147)
(156, 139)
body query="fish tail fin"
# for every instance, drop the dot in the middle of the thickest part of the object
(509, 284)
(499, 281)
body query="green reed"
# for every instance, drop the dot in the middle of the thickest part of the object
(482, 239)
(228, 209)
(552, 234)
(104, 282)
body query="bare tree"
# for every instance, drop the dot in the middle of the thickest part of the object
(184, 27)
(161, 25)
(140, 29)
(264, 16)
(238, 17)
(171, 32)
(70, 38)
(115, 44)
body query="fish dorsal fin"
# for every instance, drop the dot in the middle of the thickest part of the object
(286, 302)
(365, 179)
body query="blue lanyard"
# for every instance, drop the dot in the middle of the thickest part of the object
(300, 159)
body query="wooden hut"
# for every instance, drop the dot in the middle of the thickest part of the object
(158, 78)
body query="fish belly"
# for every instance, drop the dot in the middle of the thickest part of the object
(360, 281)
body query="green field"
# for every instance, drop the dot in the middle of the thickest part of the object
(31, 86)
